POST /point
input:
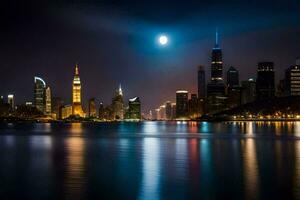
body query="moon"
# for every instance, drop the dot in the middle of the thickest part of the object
(163, 40)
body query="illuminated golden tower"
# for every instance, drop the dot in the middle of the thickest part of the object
(76, 104)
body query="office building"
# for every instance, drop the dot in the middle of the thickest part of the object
(66, 111)
(181, 104)
(11, 101)
(40, 94)
(201, 82)
(48, 105)
(92, 108)
(134, 109)
(265, 82)
(248, 91)
(232, 77)
(168, 108)
(118, 105)
(292, 80)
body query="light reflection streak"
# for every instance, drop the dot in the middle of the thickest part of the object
(296, 185)
(75, 169)
(251, 170)
(150, 184)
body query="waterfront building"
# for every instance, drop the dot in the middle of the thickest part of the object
(168, 108)
(56, 104)
(101, 113)
(194, 107)
(173, 110)
(66, 111)
(201, 82)
(248, 93)
(76, 94)
(232, 77)
(292, 80)
(216, 88)
(265, 82)
(48, 105)
(118, 105)
(181, 104)
(40, 94)
(134, 109)
(11, 101)
(92, 108)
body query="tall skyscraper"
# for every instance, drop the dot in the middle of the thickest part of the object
(48, 106)
(216, 61)
(195, 107)
(292, 80)
(265, 82)
(11, 101)
(92, 108)
(134, 109)
(232, 77)
(248, 91)
(40, 94)
(201, 82)
(101, 113)
(181, 104)
(216, 88)
(118, 104)
(168, 107)
(76, 94)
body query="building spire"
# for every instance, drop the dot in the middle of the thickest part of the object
(76, 69)
(217, 38)
(120, 90)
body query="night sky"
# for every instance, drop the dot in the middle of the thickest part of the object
(115, 42)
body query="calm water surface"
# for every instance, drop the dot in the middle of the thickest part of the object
(150, 160)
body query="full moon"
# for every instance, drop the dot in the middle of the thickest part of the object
(163, 40)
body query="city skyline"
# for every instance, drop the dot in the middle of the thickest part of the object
(85, 39)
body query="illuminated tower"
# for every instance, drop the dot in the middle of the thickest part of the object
(216, 61)
(39, 93)
(76, 100)
(118, 105)
(48, 105)
(216, 87)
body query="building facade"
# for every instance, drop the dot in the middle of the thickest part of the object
(134, 109)
(118, 105)
(181, 104)
(48, 103)
(292, 80)
(40, 94)
(92, 108)
(76, 94)
(201, 83)
(265, 82)
(248, 93)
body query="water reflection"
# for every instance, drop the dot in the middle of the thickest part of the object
(75, 180)
(150, 185)
(251, 175)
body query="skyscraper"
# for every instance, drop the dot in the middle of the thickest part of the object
(232, 77)
(134, 109)
(11, 101)
(201, 82)
(216, 61)
(265, 82)
(92, 107)
(168, 107)
(248, 91)
(292, 80)
(76, 94)
(216, 88)
(40, 94)
(118, 104)
(48, 106)
(57, 103)
(181, 104)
